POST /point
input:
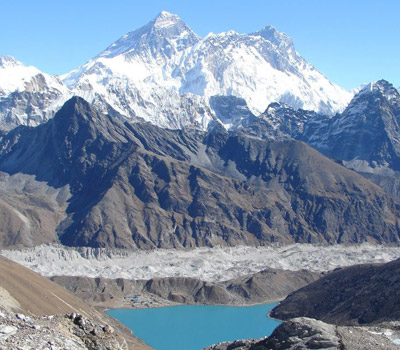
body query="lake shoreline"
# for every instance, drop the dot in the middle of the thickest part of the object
(171, 304)
(194, 327)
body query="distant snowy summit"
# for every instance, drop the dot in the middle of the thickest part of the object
(27, 95)
(165, 73)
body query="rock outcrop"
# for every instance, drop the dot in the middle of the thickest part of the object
(57, 332)
(306, 333)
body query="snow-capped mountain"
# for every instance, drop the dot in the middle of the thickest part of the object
(27, 95)
(137, 76)
(166, 74)
(366, 136)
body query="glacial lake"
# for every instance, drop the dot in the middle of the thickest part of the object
(193, 327)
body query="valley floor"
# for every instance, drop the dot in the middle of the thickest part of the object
(207, 264)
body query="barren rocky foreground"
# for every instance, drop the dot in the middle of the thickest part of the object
(36, 313)
(305, 333)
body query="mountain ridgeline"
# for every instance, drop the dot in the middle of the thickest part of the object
(364, 138)
(141, 186)
(166, 74)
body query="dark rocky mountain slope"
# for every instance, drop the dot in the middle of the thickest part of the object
(367, 133)
(137, 185)
(366, 136)
(355, 295)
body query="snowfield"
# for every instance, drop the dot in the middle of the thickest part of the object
(209, 264)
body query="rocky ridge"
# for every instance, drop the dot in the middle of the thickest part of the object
(278, 122)
(189, 188)
(366, 135)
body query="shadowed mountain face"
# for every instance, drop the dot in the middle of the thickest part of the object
(355, 295)
(136, 185)
(365, 137)
(366, 134)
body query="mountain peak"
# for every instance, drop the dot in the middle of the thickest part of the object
(75, 107)
(79, 119)
(166, 19)
(165, 14)
(277, 38)
(381, 87)
(166, 30)
(9, 61)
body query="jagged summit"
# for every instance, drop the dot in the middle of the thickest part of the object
(75, 107)
(270, 33)
(166, 19)
(78, 119)
(382, 87)
(370, 94)
(8, 61)
(166, 29)
(366, 136)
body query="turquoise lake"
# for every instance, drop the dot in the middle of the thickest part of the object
(196, 326)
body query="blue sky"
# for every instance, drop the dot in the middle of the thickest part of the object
(351, 42)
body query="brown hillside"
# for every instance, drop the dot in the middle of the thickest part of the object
(39, 296)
